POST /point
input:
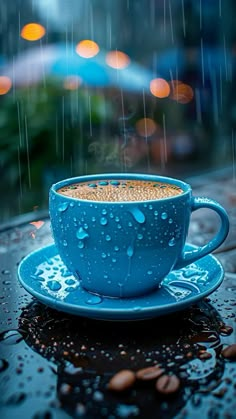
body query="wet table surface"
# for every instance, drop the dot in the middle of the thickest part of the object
(55, 365)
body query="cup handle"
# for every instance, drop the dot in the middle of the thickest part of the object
(191, 256)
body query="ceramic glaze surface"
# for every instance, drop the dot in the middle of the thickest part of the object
(125, 249)
(45, 276)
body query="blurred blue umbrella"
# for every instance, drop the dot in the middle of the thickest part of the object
(61, 60)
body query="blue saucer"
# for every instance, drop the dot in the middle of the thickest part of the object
(43, 274)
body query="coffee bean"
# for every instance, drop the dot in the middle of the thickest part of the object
(189, 355)
(229, 352)
(149, 373)
(204, 355)
(168, 384)
(122, 380)
(225, 330)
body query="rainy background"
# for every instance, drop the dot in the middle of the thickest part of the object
(97, 86)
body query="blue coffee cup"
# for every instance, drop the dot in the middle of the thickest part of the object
(125, 249)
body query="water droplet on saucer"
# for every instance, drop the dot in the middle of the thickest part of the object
(11, 337)
(94, 299)
(54, 285)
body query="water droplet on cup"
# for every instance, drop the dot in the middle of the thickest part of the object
(65, 243)
(103, 183)
(104, 211)
(138, 215)
(103, 221)
(114, 182)
(172, 242)
(108, 238)
(164, 215)
(130, 251)
(140, 236)
(63, 206)
(81, 244)
(81, 234)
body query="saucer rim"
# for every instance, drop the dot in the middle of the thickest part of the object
(116, 313)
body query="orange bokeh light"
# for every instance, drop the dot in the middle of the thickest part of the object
(117, 59)
(159, 88)
(87, 48)
(146, 127)
(33, 32)
(182, 93)
(72, 82)
(5, 85)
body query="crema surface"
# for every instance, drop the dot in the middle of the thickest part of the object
(120, 190)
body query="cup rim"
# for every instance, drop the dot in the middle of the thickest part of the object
(116, 176)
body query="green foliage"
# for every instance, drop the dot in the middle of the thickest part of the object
(47, 127)
(45, 135)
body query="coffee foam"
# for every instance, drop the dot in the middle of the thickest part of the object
(120, 190)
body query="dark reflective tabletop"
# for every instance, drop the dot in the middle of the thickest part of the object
(55, 365)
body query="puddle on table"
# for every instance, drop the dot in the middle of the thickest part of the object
(84, 354)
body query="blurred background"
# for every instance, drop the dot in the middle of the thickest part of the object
(95, 86)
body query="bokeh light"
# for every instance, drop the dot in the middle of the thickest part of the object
(72, 82)
(159, 88)
(117, 59)
(87, 48)
(146, 127)
(5, 85)
(33, 32)
(181, 92)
